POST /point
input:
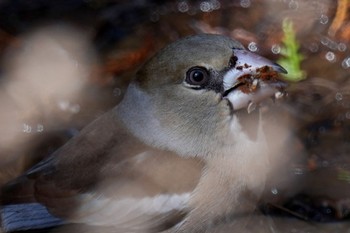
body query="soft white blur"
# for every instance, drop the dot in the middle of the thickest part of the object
(44, 74)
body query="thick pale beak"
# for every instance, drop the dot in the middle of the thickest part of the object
(251, 79)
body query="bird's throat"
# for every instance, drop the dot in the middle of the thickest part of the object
(249, 122)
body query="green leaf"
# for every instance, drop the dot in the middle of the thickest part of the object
(291, 58)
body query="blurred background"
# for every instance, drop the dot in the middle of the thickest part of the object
(65, 62)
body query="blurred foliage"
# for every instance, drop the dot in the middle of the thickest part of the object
(291, 59)
(344, 175)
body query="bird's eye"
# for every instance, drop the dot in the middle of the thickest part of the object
(197, 76)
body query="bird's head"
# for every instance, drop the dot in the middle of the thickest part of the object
(186, 97)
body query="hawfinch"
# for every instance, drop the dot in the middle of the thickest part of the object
(174, 155)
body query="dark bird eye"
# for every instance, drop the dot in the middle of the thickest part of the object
(197, 76)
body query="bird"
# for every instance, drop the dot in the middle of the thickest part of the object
(174, 154)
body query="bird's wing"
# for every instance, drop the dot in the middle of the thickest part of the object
(105, 176)
(149, 191)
